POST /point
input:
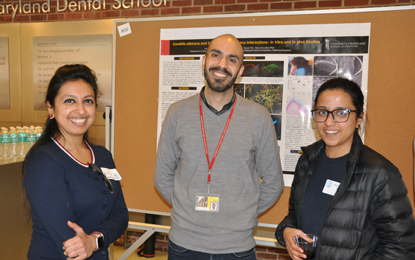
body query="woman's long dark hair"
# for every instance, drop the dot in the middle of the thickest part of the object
(66, 73)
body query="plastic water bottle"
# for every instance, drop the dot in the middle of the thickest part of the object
(38, 131)
(30, 138)
(21, 152)
(5, 145)
(14, 140)
(26, 130)
(1, 148)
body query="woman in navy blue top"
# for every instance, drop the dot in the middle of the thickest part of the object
(77, 205)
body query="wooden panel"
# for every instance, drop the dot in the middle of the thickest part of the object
(16, 243)
(14, 113)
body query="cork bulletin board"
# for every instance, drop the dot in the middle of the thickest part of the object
(391, 93)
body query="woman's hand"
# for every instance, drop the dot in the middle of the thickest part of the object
(80, 246)
(295, 252)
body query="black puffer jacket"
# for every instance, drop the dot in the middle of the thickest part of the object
(370, 216)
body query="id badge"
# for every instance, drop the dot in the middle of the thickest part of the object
(209, 203)
(112, 174)
(331, 187)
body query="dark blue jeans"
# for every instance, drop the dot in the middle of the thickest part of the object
(177, 252)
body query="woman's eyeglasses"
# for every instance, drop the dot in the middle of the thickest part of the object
(339, 115)
(107, 182)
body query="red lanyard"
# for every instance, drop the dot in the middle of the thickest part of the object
(210, 164)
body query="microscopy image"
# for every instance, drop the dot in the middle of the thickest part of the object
(268, 95)
(325, 66)
(300, 66)
(239, 89)
(251, 70)
(263, 68)
(350, 66)
(276, 119)
(298, 106)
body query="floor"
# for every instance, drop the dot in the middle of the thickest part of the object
(119, 250)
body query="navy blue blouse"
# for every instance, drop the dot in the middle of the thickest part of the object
(60, 188)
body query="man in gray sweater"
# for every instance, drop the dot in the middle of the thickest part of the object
(212, 148)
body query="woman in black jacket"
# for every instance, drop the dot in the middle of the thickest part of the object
(353, 198)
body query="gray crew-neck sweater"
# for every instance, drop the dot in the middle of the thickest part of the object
(249, 149)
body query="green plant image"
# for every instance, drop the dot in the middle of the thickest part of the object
(271, 69)
(239, 89)
(268, 95)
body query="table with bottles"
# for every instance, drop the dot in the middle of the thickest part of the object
(15, 142)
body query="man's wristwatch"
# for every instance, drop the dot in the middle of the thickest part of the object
(99, 240)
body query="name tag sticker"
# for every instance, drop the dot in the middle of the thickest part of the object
(112, 174)
(331, 187)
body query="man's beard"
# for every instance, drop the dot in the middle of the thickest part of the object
(217, 84)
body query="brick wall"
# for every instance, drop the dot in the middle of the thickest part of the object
(184, 7)
(162, 242)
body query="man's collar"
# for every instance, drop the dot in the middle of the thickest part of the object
(225, 107)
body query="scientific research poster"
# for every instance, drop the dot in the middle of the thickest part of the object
(284, 67)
